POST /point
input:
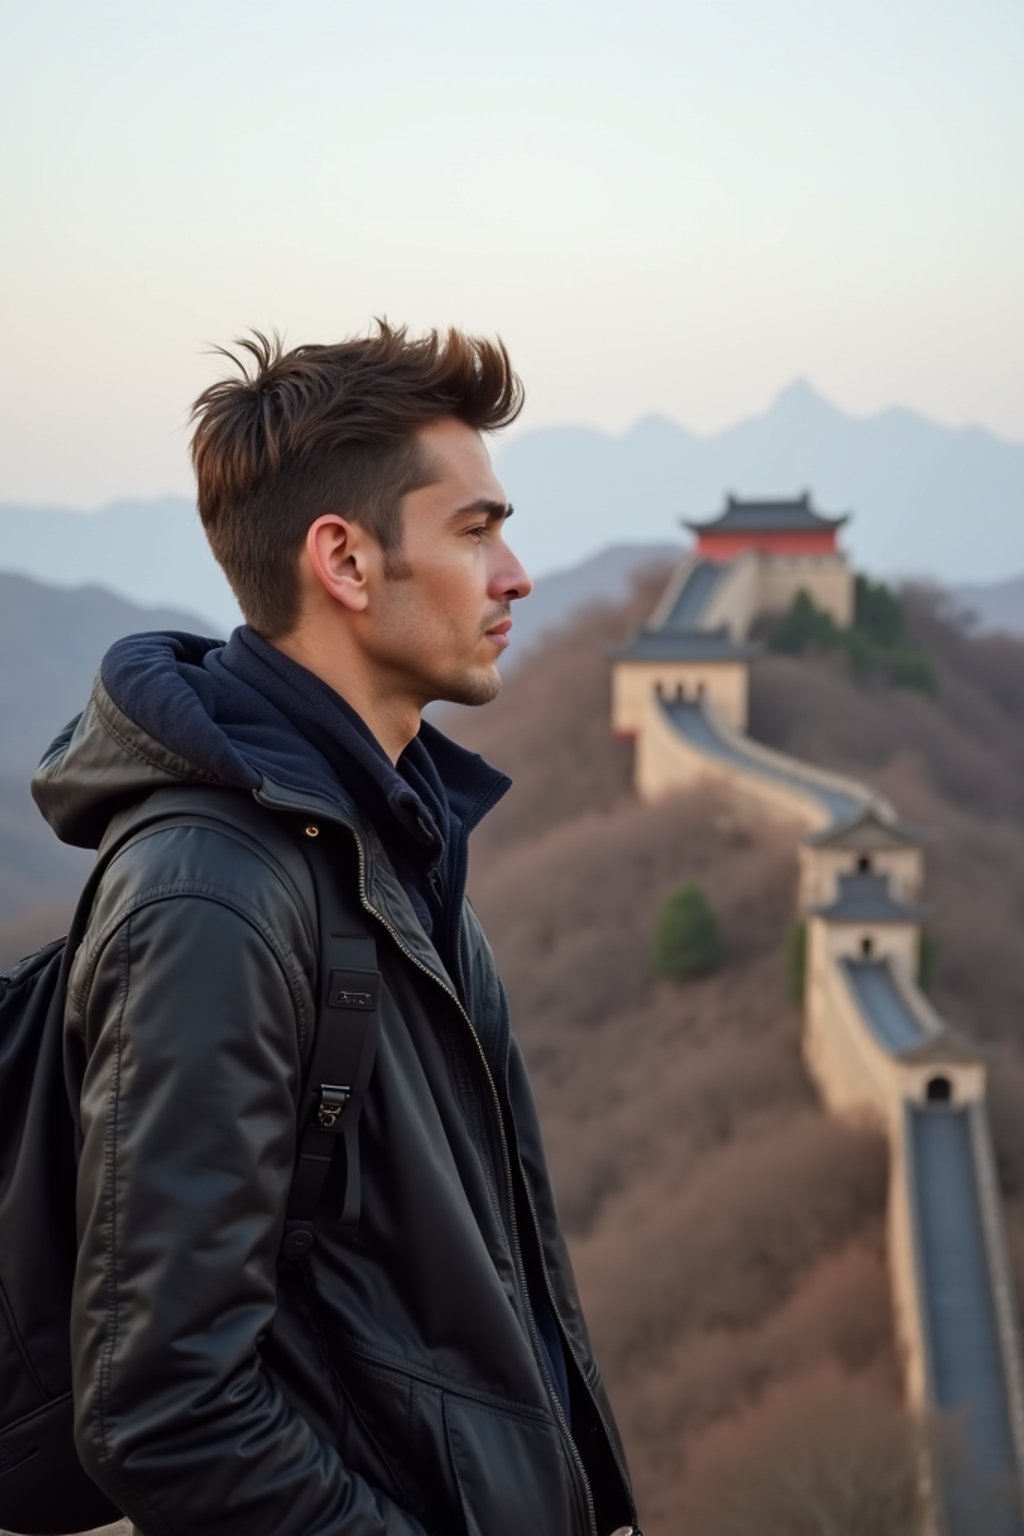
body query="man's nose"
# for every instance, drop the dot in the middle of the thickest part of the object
(511, 579)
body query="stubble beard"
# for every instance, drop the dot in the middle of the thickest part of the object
(474, 690)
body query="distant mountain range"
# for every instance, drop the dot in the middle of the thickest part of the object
(997, 606)
(51, 642)
(53, 638)
(926, 500)
(152, 553)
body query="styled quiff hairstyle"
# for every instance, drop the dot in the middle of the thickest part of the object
(329, 429)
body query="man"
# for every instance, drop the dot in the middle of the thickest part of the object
(431, 1373)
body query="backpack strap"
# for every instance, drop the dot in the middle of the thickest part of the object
(338, 1067)
(344, 1051)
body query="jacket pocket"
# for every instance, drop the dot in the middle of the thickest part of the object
(372, 1403)
(376, 1407)
(511, 1472)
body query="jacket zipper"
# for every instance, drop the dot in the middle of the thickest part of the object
(507, 1164)
(567, 1342)
(509, 1190)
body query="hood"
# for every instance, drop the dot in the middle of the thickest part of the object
(172, 708)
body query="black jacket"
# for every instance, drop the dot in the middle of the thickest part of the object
(395, 1386)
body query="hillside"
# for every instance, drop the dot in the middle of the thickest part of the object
(681, 1124)
(728, 1235)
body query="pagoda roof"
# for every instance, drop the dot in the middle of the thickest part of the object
(867, 828)
(866, 898)
(764, 516)
(683, 645)
(947, 1047)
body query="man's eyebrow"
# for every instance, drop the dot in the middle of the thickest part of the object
(494, 511)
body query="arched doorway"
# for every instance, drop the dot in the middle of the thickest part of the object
(864, 864)
(939, 1090)
(867, 948)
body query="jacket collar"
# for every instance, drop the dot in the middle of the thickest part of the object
(379, 887)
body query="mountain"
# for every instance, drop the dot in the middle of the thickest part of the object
(150, 553)
(52, 641)
(926, 500)
(998, 606)
(56, 638)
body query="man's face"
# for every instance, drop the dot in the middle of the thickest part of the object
(437, 627)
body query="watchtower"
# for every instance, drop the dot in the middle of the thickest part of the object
(797, 546)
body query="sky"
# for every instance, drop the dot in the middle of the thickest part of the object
(666, 206)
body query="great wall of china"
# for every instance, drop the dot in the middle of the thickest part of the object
(874, 1045)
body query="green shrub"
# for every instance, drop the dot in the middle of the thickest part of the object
(874, 645)
(795, 959)
(860, 653)
(878, 614)
(911, 669)
(686, 940)
(805, 626)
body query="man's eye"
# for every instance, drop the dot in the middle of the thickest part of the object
(477, 532)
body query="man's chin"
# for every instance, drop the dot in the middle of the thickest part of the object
(479, 688)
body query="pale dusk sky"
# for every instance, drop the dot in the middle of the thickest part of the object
(663, 207)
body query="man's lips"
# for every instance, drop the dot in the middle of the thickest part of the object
(498, 633)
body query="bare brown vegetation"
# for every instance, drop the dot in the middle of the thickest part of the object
(728, 1236)
(822, 1455)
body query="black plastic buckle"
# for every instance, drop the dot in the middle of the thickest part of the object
(330, 1105)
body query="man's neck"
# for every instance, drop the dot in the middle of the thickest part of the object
(394, 722)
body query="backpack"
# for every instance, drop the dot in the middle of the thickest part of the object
(43, 1487)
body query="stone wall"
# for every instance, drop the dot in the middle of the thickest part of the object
(635, 685)
(827, 580)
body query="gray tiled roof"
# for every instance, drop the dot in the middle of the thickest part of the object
(769, 516)
(683, 645)
(899, 831)
(866, 898)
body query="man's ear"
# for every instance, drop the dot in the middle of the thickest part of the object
(339, 557)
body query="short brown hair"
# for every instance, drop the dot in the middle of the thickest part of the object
(328, 429)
